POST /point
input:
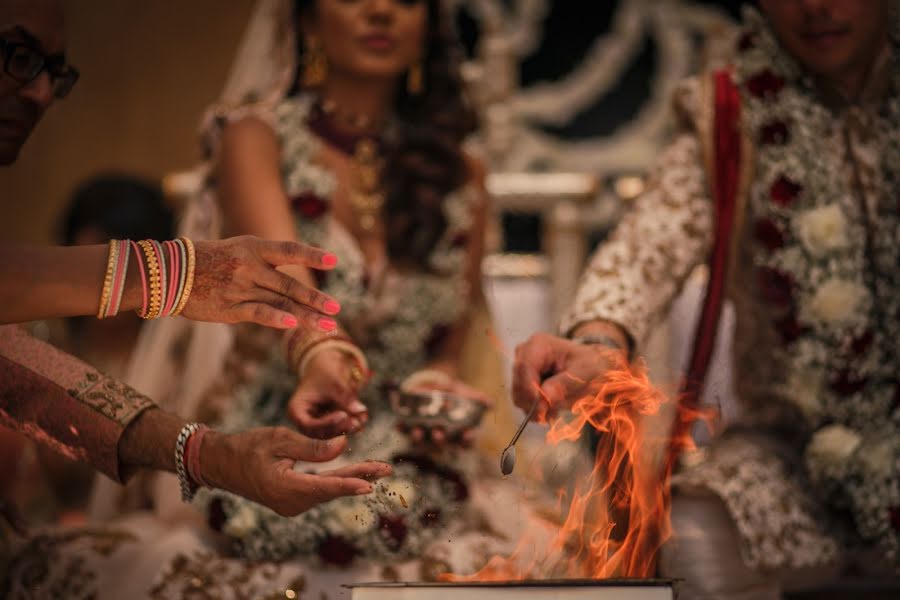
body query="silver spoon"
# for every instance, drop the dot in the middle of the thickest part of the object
(508, 458)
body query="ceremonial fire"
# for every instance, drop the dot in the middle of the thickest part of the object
(615, 520)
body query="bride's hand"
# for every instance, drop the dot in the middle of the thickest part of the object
(259, 465)
(236, 279)
(437, 435)
(326, 402)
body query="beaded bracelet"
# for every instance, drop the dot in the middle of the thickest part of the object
(188, 486)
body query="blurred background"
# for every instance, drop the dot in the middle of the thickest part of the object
(578, 79)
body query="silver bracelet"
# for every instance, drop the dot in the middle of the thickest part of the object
(602, 340)
(188, 487)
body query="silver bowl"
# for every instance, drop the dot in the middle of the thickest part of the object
(436, 408)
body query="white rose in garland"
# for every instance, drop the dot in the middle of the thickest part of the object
(833, 445)
(823, 230)
(354, 516)
(805, 390)
(837, 301)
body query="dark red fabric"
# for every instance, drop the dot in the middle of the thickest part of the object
(727, 160)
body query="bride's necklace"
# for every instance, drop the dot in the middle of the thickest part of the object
(366, 193)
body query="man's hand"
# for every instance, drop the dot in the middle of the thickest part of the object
(555, 372)
(259, 465)
(236, 280)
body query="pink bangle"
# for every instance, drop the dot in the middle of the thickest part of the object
(192, 456)
(176, 277)
(143, 270)
(173, 274)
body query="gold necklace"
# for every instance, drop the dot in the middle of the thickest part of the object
(367, 195)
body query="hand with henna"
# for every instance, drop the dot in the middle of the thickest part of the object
(237, 279)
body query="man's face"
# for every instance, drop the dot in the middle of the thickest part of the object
(829, 37)
(37, 24)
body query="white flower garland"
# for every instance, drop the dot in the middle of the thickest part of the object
(812, 245)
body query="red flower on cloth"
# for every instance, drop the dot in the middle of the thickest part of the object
(309, 205)
(860, 346)
(895, 517)
(335, 550)
(784, 191)
(775, 286)
(847, 383)
(767, 233)
(774, 133)
(790, 328)
(765, 84)
(393, 529)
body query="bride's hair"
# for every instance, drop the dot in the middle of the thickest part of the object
(424, 157)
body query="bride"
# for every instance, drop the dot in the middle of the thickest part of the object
(344, 129)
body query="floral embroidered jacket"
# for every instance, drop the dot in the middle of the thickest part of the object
(59, 401)
(815, 285)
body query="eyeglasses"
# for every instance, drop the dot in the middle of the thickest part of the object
(24, 63)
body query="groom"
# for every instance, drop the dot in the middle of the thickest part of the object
(69, 406)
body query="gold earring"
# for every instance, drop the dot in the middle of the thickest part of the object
(315, 64)
(415, 79)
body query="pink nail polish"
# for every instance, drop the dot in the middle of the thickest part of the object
(326, 324)
(329, 260)
(289, 321)
(332, 307)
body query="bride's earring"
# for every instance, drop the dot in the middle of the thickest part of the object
(415, 80)
(315, 64)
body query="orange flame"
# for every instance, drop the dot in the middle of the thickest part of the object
(617, 518)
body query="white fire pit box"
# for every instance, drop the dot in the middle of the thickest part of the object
(563, 589)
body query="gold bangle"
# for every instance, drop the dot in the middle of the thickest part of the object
(108, 279)
(346, 347)
(155, 278)
(189, 281)
(298, 350)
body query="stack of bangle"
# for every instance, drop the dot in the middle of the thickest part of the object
(167, 276)
(302, 346)
(187, 459)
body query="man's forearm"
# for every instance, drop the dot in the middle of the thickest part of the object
(61, 281)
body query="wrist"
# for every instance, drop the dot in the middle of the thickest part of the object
(603, 334)
(217, 454)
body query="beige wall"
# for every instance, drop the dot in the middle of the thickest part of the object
(148, 69)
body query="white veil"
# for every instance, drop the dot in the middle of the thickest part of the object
(175, 360)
